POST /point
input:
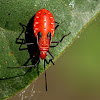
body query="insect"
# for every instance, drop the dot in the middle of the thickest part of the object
(43, 30)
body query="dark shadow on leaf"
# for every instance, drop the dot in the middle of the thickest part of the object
(33, 49)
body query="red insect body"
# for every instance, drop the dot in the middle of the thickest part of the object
(44, 28)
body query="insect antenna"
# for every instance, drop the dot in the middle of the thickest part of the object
(45, 76)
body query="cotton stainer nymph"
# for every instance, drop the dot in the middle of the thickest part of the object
(43, 29)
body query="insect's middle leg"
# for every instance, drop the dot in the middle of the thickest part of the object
(57, 42)
(29, 69)
(22, 41)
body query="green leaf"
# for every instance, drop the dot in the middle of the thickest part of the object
(72, 15)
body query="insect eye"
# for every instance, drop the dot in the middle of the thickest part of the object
(49, 35)
(39, 34)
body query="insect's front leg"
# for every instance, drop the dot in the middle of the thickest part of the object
(56, 25)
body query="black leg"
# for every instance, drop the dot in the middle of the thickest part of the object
(49, 61)
(27, 61)
(57, 25)
(22, 41)
(26, 65)
(51, 55)
(60, 40)
(29, 69)
(20, 48)
(17, 75)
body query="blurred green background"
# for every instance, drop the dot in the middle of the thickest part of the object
(75, 75)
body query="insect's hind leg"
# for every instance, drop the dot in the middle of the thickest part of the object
(29, 69)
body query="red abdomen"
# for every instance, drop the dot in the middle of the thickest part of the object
(44, 22)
